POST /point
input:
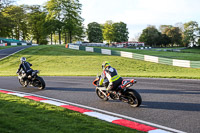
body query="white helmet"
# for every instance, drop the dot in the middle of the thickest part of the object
(22, 59)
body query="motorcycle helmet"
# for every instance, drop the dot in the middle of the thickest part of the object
(22, 59)
(105, 64)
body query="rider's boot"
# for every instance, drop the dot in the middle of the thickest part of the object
(25, 83)
(107, 95)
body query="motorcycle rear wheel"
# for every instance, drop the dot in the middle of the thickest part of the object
(134, 98)
(39, 82)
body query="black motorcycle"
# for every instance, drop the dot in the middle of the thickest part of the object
(32, 80)
(123, 92)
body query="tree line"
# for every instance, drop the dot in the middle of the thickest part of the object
(57, 19)
(60, 21)
(110, 32)
(168, 35)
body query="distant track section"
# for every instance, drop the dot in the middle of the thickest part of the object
(10, 51)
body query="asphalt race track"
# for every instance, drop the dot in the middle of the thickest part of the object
(173, 103)
(8, 51)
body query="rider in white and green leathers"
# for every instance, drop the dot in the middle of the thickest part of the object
(111, 74)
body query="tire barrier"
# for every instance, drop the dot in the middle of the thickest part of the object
(166, 61)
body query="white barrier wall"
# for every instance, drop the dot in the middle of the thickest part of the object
(181, 63)
(74, 47)
(24, 44)
(106, 51)
(89, 49)
(151, 58)
(174, 62)
(13, 44)
(126, 54)
(2, 44)
(34, 44)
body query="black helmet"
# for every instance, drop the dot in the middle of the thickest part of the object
(22, 59)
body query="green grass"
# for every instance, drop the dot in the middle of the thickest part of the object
(168, 48)
(193, 56)
(192, 50)
(59, 61)
(20, 115)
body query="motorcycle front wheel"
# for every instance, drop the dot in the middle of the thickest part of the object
(101, 95)
(22, 83)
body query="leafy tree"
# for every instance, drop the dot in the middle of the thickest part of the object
(50, 27)
(150, 36)
(54, 14)
(5, 26)
(67, 13)
(175, 34)
(74, 29)
(198, 42)
(94, 32)
(78, 33)
(16, 17)
(164, 28)
(165, 40)
(120, 32)
(13, 20)
(108, 34)
(191, 32)
(180, 26)
(5, 3)
(36, 20)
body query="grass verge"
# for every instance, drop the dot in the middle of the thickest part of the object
(59, 61)
(192, 50)
(20, 115)
(189, 54)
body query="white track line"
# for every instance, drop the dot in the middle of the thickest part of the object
(102, 111)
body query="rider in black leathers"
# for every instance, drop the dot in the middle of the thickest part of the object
(26, 67)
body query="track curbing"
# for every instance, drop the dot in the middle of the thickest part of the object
(91, 113)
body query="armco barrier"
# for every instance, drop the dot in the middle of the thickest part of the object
(173, 62)
(165, 61)
(181, 63)
(97, 50)
(113, 52)
(106, 51)
(138, 56)
(195, 64)
(126, 54)
(151, 58)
